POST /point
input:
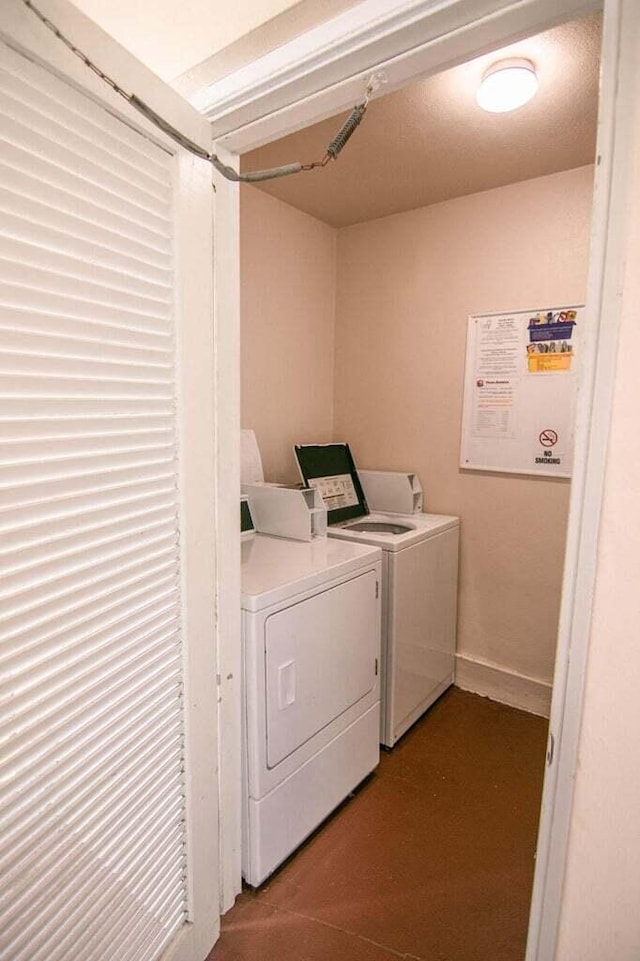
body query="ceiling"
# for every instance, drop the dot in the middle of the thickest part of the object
(171, 36)
(431, 142)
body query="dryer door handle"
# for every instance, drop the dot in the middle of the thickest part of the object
(286, 684)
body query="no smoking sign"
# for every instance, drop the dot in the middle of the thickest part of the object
(548, 438)
(547, 458)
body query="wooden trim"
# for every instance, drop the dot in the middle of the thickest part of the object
(226, 261)
(495, 682)
(610, 223)
(304, 15)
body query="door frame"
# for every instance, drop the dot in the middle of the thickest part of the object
(326, 71)
(198, 388)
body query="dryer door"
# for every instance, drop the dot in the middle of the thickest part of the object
(320, 659)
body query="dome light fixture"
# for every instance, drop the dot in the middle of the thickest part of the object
(507, 85)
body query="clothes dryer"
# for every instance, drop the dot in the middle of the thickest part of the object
(311, 681)
(419, 585)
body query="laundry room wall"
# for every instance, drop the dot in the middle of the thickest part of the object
(406, 284)
(287, 304)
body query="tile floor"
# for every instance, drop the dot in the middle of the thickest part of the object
(432, 859)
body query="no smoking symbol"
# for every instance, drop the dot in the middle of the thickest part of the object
(548, 438)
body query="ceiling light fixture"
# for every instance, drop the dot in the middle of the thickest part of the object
(507, 85)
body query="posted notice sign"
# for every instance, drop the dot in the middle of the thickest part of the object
(520, 391)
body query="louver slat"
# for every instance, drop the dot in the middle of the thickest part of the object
(29, 204)
(92, 793)
(43, 115)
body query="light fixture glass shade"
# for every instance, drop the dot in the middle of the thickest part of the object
(507, 85)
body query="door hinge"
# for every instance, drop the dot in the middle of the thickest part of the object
(377, 588)
(551, 747)
(376, 666)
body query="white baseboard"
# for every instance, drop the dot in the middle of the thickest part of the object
(499, 684)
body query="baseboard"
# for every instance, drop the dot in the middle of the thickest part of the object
(508, 687)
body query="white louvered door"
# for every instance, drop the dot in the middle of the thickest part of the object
(93, 794)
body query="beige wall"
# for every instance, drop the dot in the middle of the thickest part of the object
(287, 276)
(406, 284)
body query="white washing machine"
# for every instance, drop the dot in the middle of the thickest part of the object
(311, 619)
(419, 585)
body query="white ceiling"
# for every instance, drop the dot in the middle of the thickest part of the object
(430, 141)
(171, 36)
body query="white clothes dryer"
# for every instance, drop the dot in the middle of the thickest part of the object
(419, 585)
(311, 653)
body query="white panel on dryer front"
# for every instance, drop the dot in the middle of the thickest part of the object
(321, 658)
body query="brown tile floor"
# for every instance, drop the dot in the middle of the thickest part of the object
(432, 859)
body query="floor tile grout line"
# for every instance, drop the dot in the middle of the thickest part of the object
(336, 927)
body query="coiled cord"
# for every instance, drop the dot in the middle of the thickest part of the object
(351, 123)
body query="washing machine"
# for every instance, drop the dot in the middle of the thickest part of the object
(311, 623)
(419, 585)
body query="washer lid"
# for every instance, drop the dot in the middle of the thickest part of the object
(331, 469)
(423, 526)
